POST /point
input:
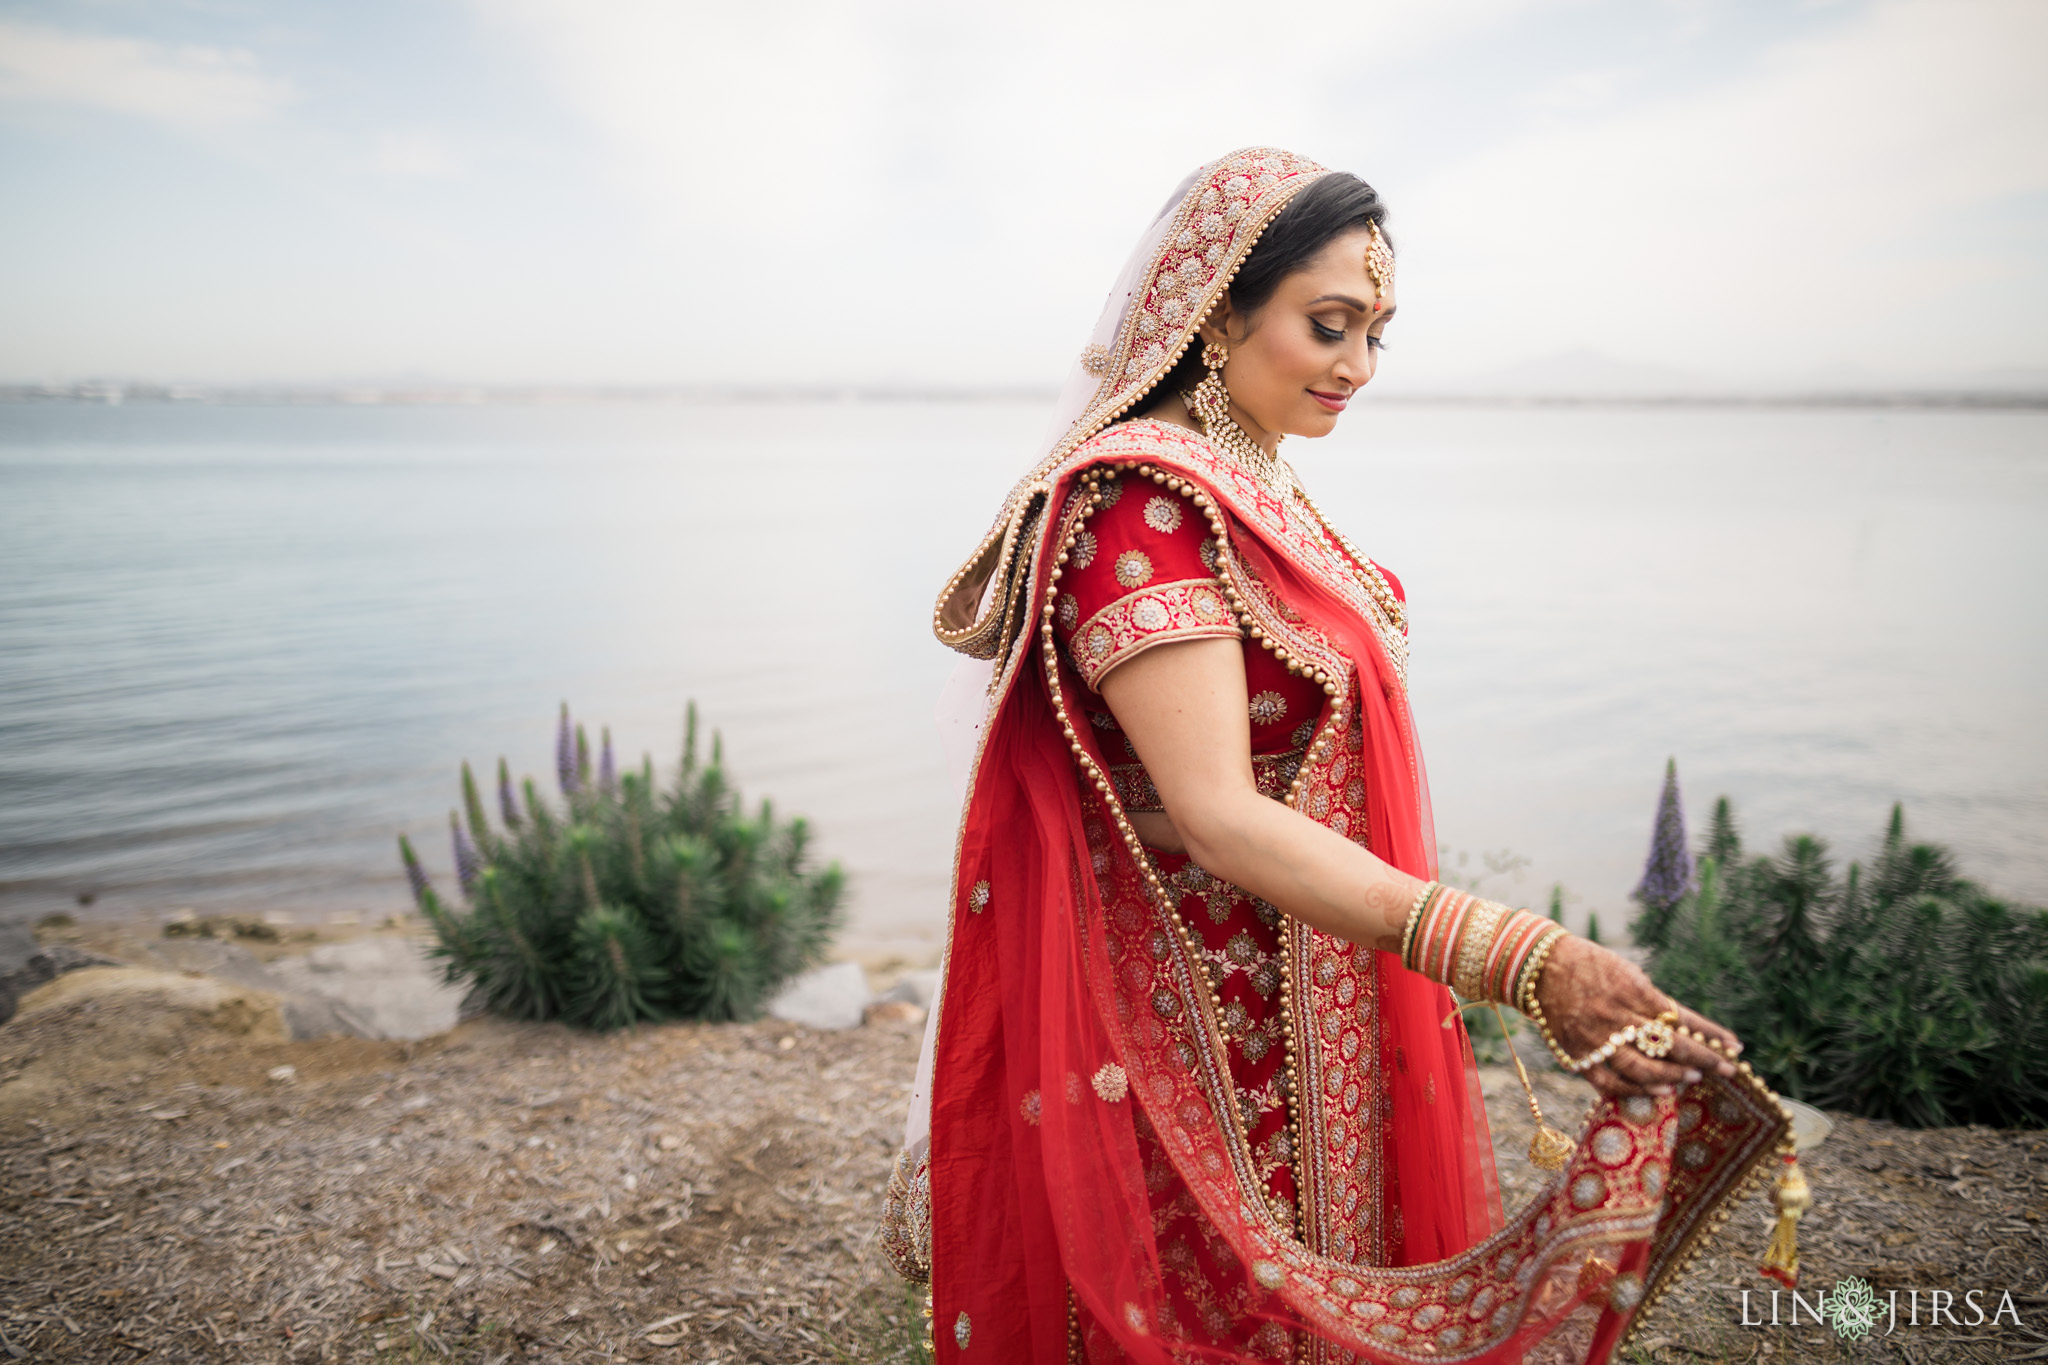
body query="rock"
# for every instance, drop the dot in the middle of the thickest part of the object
(306, 1014)
(916, 988)
(26, 964)
(381, 987)
(832, 997)
(17, 946)
(894, 1012)
(226, 1006)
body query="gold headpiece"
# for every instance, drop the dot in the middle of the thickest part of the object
(1379, 262)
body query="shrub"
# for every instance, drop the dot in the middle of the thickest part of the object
(1908, 993)
(627, 902)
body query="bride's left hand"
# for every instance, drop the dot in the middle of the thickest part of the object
(1589, 994)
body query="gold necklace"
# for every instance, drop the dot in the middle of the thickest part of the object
(1212, 410)
(1209, 401)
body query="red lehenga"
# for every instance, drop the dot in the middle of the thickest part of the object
(1167, 1122)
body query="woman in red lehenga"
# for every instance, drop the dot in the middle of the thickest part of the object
(1193, 1088)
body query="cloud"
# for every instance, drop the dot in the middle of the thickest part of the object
(415, 155)
(944, 170)
(1825, 208)
(191, 85)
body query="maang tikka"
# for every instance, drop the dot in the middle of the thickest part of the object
(1379, 266)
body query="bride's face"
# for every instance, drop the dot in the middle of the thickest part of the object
(1295, 363)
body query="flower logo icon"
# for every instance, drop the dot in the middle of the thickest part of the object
(1852, 1309)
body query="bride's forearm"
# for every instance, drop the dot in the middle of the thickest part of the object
(1311, 873)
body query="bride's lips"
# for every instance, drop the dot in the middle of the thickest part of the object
(1335, 402)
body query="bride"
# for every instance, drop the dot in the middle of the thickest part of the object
(1195, 1086)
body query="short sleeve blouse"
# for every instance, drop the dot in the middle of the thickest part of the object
(1141, 573)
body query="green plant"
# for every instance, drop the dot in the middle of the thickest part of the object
(1907, 993)
(628, 902)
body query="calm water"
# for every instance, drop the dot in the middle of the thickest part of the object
(241, 648)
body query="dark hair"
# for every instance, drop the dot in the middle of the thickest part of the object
(1334, 205)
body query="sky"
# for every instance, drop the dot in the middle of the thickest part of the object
(893, 192)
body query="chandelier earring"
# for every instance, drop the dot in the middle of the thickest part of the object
(1209, 401)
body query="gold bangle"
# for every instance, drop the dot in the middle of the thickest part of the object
(1530, 1006)
(1481, 924)
(1415, 918)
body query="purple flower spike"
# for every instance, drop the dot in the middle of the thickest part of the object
(607, 770)
(1667, 876)
(415, 875)
(565, 755)
(467, 864)
(508, 804)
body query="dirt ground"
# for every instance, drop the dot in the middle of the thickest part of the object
(169, 1192)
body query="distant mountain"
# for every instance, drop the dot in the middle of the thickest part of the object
(1586, 375)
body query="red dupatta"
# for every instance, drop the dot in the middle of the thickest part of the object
(1076, 1012)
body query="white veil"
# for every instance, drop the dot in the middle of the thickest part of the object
(964, 701)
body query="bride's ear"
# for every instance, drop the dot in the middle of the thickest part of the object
(1221, 326)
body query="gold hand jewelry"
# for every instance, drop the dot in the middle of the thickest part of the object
(1655, 1038)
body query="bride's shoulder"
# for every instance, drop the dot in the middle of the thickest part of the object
(1147, 439)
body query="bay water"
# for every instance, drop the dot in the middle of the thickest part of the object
(242, 647)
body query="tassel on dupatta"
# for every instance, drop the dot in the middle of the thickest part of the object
(1792, 1199)
(1549, 1150)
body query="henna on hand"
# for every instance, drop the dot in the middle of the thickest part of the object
(1588, 994)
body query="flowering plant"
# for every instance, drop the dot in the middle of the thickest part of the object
(629, 902)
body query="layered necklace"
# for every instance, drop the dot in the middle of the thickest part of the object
(1210, 402)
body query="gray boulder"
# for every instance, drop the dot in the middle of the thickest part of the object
(831, 997)
(916, 988)
(26, 964)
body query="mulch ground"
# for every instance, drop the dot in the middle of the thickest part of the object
(522, 1192)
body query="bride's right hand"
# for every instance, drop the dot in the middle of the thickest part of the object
(1588, 994)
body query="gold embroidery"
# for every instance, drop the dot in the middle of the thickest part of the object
(1188, 609)
(1272, 775)
(1162, 515)
(906, 1231)
(1133, 569)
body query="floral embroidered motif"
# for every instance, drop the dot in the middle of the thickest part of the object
(977, 898)
(963, 1331)
(1111, 489)
(906, 1231)
(1272, 775)
(1031, 1107)
(1095, 358)
(1111, 1083)
(1186, 610)
(1068, 611)
(1082, 552)
(1163, 515)
(1133, 569)
(1268, 708)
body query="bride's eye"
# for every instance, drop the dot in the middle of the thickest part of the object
(1326, 332)
(1375, 343)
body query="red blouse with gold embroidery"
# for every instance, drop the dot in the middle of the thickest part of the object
(1143, 573)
